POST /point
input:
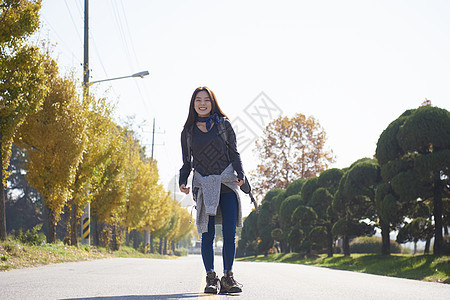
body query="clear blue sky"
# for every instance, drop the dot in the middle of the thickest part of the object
(353, 65)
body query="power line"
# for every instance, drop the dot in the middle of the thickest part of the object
(69, 49)
(79, 9)
(98, 54)
(129, 34)
(73, 21)
(146, 96)
(118, 23)
(126, 44)
(142, 99)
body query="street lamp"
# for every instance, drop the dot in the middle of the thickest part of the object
(139, 74)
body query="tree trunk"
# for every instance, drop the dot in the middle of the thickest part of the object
(51, 229)
(415, 248)
(173, 247)
(437, 212)
(385, 239)
(165, 246)
(329, 242)
(94, 230)
(152, 249)
(161, 246)
(282, 246)
(427, 246)
(135, 239)
(114, 243)
(127, 237)
(73, 225)
(346, 245)
(2, 198)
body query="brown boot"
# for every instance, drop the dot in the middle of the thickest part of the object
(212, 283)
(229, 285)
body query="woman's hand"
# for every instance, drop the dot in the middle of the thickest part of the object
(184, 189)
(239, 182)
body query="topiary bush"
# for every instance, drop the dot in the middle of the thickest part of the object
(371, 244)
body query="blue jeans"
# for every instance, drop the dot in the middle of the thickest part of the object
(228, 206)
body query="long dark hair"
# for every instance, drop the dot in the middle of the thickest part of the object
(215, 108)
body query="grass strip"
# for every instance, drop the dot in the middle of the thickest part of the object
(15, 255)
(418, 267)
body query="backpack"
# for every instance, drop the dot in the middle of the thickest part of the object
(223, 133)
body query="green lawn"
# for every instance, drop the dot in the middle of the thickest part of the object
(419, 267)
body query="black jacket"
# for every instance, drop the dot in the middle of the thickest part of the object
(210, 153)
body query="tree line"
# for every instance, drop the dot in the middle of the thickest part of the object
(405, 187)
(72, 150)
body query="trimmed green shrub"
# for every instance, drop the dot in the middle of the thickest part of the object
(32, 237)
(11, 247)
(371, 244)
(181, 252)
(4, 257)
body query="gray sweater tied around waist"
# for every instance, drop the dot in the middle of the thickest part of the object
(208, 196)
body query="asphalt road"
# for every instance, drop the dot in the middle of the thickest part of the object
(184, 278)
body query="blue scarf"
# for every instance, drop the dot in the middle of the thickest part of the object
(209, 120)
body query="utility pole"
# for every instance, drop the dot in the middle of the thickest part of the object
(85, 224)
(85, 219)
(175, 187)
(153, 137)
(147, 232)
(86, 50)
(2, 196)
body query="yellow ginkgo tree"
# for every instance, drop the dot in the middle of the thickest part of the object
(109, 202)
(157, 213)
(186, 226)
(96, 157)
(142, 206)
(22, 78)
(54, 139)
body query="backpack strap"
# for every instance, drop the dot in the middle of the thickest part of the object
(189, 145)
(223, 133)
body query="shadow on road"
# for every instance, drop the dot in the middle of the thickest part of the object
(146, 297)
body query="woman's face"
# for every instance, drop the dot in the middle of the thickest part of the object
(202, 104)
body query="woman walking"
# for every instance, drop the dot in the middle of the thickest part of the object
(208, 145)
